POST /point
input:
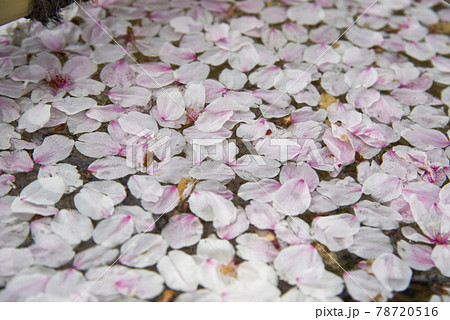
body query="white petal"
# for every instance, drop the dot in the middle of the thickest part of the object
(392, 272)
(51, 251)
(113, 231)
(13, 260)
(212, 207)
(93, 257)
(44, 191)
(54, 148)
(143, 250)
(292, 198)
(179, 270)
(72, 227)
(94, 204)
(183, 230)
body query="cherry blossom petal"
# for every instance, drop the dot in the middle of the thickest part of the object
(53, 149)
(251, 247)
(94, 256)
(183, 230)
(392, 272)
(45, 191)
(173, 55)
(170, 105)
(113, 231)
(97, 145)
(110, 168)
(298, 261)
(94, 204)
(376, 215)
(143, 250)
(341, 192)
(16, 161)
(132, 96)
(166, 203)
(13, 260)
(369, 243)
(72, 106)
(364, 287)
(234, 229)
(212, 207)
(440, 256)
(72, 227)
(383, 187)
(179, 270)
(35, 118)
(51, 251)
(425, 139)
(263, 215)
(292, 198)
(417, 256)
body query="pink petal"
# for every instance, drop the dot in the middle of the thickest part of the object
(376, 215)
(51, 251)
(292, 198)
(94, 204)
(293, 231)
(117, 74)
(298, 261)
(383, 187)
(426, 139)
(183, 230)
(245, 59)
(173, 55)
(145, 188)
(107, 52)
(53, 149)
(300, 171)
(320, 54)
(250, 6)
(306, 13)
(32, 73)
(179, 270)
(191, 72)
(16, 161)
(365, 38)
(132, 96)
(416, 256)
(235, 228)
(72, 227)
(113, 231)
(170, 105)
(72, 106)
(97, 145)
(419, 50)
(142, 220)
(364, 287)
(341, 192)
(44, 191)
(35, 118)
(440, 256)
(143, 250)
(93, 257)
(251, 247)
(210, 207)
(369, 243)
(365, 77)
(392, 272)
(13, 260)
(260, 191)
(262, 215)
(166, 203)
